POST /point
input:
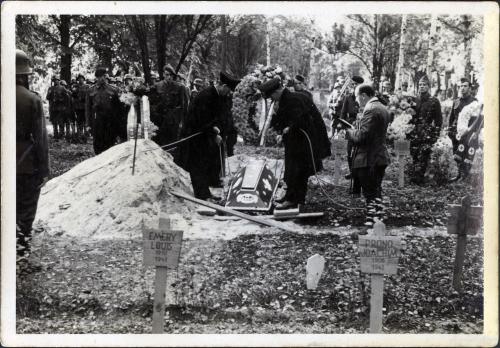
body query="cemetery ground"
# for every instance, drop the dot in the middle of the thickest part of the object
(255, 283)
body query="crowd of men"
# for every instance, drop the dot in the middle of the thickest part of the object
(199, 121)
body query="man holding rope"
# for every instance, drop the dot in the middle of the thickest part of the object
(199, 155)
(301, 138)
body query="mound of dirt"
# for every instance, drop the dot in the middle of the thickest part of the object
(100, 198)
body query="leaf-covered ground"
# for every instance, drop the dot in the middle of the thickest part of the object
(256, 283)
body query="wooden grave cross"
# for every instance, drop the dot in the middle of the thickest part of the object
(464, 219)
(379, 255)
(339, 149)
(402, 148)
(162, 249)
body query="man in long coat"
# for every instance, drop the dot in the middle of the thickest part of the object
(32, 157)
(370, 156)
(79, 93)
(199, 154)
(302, 140)
(104, 113)
(168, 107)
(427, 121)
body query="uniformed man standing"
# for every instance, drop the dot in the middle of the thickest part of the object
(301, 138)
(458, 104)
(169, 108)
(31, 154)
(197, 87)
(427, 121)
(104, 113)
(79, 94)
(200, 154)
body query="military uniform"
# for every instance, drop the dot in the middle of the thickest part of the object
(79, 95)
(427, 121)
(168, 111)
(104, 114)
(32, 162)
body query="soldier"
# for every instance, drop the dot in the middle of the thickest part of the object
(197, 87)
(458, 104)
(302, 140)
(170, 107)
(79, 94)
(31, 154)
(104, 113)
(427, 121)
(300, 87)
(69, 121)
(61, 109)
(199, 155)
(55, 82)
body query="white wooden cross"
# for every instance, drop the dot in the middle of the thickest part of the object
(339, 149)
(402, 148)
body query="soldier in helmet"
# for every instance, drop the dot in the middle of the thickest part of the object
(168, 107)
(54, 83)
(32, 155)
(427, 121)
(104, 113)
(79, 94)
(69, 119)
(61, 109)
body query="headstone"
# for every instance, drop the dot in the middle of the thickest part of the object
(314, 269)
(162, 249)
(379, 255)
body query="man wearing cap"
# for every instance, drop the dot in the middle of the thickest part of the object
(427, 121)
(168, 107)
(32, 157)
(60, 99)
(299, 86)
(458, 104)
(202, 153)
(302, 141)
(104, 113)
(370, 156)
(79, 94)
(197, 87)
(49, 97)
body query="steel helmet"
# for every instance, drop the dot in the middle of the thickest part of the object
(22, 63)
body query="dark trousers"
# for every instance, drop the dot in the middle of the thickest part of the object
(200, 182)
(104, 133)
(371, 182)
(355, 184)
(297, 188)
(27, 194)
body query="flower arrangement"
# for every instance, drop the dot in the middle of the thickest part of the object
(400, 127)
(471, 110)
(442, 167)
(245, 99)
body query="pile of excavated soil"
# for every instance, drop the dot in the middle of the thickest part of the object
(100, 198)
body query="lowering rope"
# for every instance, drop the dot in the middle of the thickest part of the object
(319, 181)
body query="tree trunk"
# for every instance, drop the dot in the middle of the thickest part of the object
(268, 42)
(224, 43)
(161, 43)
(140, 29)
(64, 28)
(401, 61)
(430, 49)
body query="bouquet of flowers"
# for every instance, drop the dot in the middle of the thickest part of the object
(245, 98)
(471, 110)
(442, 166)
(400, 127)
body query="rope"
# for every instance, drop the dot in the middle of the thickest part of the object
(319, 181)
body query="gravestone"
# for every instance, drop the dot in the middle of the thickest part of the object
(314, 269)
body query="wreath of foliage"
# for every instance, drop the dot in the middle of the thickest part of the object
(246, 98)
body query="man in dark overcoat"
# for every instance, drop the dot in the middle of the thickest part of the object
(301, 138)
(32, 157)
(168, 107)
(370, 157)
(104, 113)
(79, 93)
(427, 121)
(199, 154)
(299, 86)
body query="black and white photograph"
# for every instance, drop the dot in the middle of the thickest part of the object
(249, 174)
